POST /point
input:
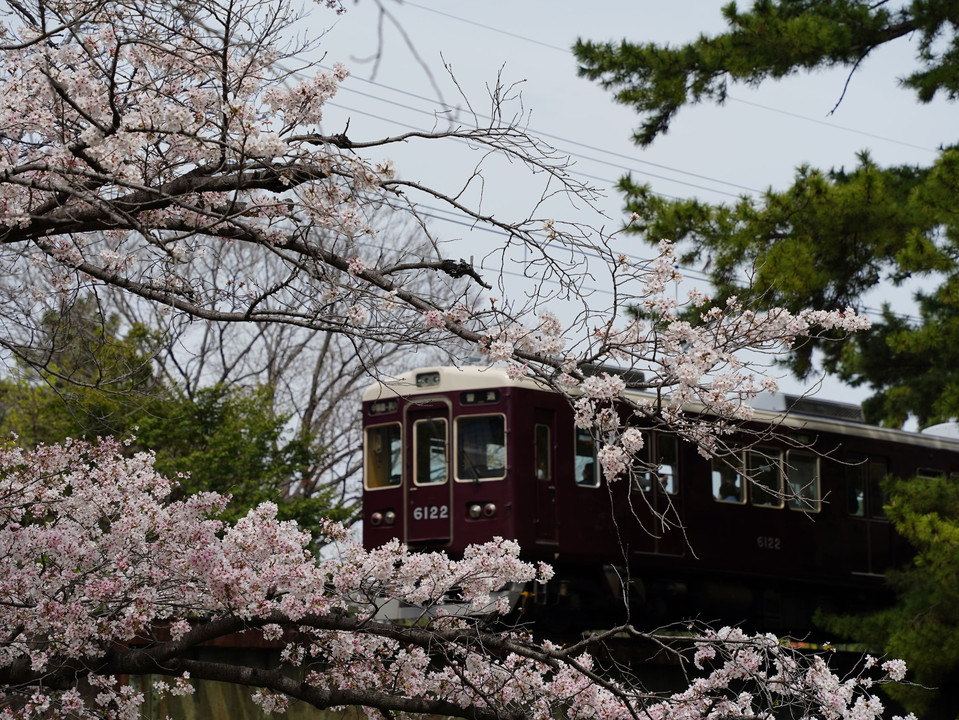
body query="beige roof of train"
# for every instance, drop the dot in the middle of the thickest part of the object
(474, 377)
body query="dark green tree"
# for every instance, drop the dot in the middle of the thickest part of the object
(89, 376)
(923, 628)
(833, 234)
(230, 440)
(82, 376)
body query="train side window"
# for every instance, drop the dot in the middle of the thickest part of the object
(802, 474)
(765, 474)
(541, 453)
(383, 456)
(585, 465)
(877, 496)
(727, 479)
(430, 463)
(667, 447)
(481, 448)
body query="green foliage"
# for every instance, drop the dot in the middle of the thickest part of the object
(85, 379)
(230, 440)
(81, 379)
(773, 39)
(832, 235)
(923, 627)
(825, 241)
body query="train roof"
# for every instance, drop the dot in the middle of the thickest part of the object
(466, 377)
(806, 413)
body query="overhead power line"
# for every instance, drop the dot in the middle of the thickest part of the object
(568, 51)
(451, 217)
(500, 31)
(833, 125)
(569, 141)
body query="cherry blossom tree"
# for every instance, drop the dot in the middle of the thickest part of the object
(104, 577)
(314, 377)
(142, 138)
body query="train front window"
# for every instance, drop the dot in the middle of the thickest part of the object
(383, 456)
(481, 448)
(587, 473)
(765, 474)
(430, 466)
(802, 473)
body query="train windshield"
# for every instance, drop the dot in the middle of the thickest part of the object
(384, 456)
(481, 447)
(431, 465)
(587, 470)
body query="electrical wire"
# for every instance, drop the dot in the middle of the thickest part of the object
(760, 106)
(444, 215)
(575, 172)
(433, 214)
(564, 151)
(451, 217)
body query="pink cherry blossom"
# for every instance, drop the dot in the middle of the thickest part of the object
(433, 319)
(99, 563)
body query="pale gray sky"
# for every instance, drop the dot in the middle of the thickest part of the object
(739, 145)
(715, 153)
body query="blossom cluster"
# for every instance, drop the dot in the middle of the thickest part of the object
(124, 111)
(513, 340)
(95, 555)
(701, 375)
(96, 558)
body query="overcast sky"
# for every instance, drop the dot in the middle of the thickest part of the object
(716, 153)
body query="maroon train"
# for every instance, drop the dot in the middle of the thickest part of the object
(454, 456)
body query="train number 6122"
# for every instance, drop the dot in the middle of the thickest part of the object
(767, 542)
(431, 512)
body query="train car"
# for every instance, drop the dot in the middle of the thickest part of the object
(458, 455)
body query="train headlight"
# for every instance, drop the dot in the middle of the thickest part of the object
(389, 517)
(475, 511)
(427, 379)
(376, 519)
(489, 510)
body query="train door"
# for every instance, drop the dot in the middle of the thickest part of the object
(869, 533)
(429, 514)
(544, 467)
(672, 540)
